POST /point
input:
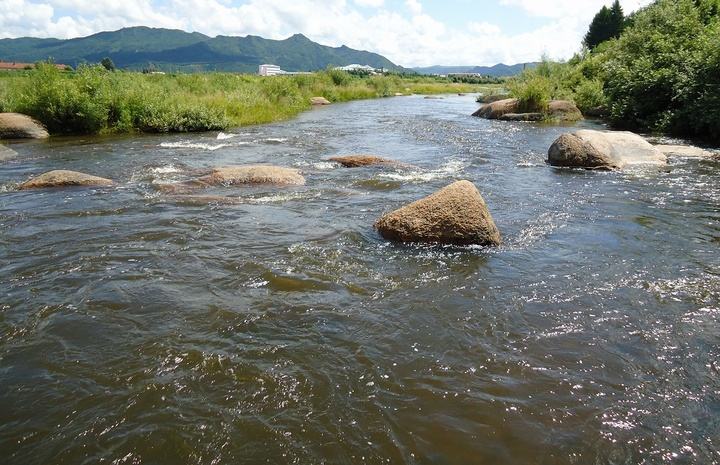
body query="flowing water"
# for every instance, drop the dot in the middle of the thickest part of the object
(278, 327)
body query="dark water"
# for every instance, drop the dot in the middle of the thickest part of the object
(137, 329)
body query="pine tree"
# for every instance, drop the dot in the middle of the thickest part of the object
(618, 19)
(607, 24)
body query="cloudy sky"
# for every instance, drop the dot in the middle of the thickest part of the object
(408, 32)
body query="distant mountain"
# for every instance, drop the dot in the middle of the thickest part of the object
(501, 70)
(168, 49)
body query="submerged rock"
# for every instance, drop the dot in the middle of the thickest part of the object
(19, 126)
(319, 101)
(522, 117)
(434, 97)
(684, 151)
(253, 174)
(509, 110)
(456, 214)
(6, 153)
(355, 161)
(603, 150)
(64, 178)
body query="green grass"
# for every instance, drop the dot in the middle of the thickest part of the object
(93, 100)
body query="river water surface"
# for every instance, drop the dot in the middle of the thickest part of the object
(136, 328)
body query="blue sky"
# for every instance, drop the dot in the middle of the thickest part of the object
(409, 32)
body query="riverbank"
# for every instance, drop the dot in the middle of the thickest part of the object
(659, 76)
(93, 100)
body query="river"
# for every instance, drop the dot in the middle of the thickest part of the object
(141, 329)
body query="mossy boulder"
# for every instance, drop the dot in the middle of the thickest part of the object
(456, 214)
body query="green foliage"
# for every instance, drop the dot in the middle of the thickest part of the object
(533, 90)
(339, 77)
(108, 64)
(590, 95)
(662, 74)
(661, 71)
(94, 100)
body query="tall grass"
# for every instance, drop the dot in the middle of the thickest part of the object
(95, 100)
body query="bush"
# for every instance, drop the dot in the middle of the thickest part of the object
(589, 95)
(533, 91)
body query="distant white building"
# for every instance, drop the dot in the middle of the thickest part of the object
(270, 70)
(360, 68)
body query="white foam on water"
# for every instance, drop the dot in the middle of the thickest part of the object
(276, 139)
(449, 169)
(167, 169)
(192, 145)
(225, 136)
(277, 198)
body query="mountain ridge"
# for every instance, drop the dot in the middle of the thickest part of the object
(143, 47)
(499, 70)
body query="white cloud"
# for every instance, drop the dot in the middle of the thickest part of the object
(409, 36)
(370, 3)
(567, 8)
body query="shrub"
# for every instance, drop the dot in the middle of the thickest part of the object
(589, 95)
(533, 90)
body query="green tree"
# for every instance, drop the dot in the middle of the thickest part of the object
(108, 64)
(607, 24)
(617, 17)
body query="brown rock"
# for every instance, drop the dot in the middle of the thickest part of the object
(253, 174)
(355, 161)
(509, 110)
(456, 214)
(319, 101)
(64, 178)
(18, 126)
(603, 150)
(564, 111)
(498, 108)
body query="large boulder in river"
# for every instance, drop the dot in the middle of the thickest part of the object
(18, 126)
(319, 101)
(253, 174)
(603, 150)
(356, 161)
(510, 110)
(498, 108)
(64, 178)
(456, 214)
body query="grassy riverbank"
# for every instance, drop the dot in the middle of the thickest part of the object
(93, 100)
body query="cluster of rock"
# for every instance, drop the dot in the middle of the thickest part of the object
(456, 214)
(510, 110)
